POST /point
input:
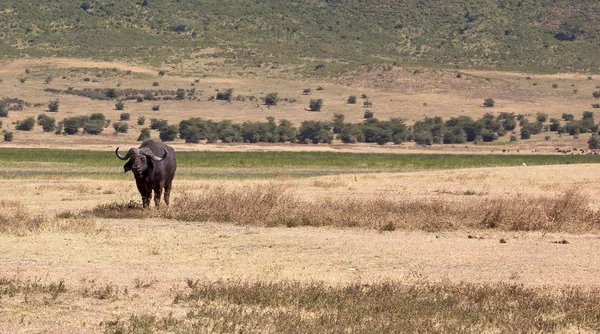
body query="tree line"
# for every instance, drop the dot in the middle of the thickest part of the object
(428, 131)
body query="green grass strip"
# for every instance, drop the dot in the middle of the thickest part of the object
(32, 162)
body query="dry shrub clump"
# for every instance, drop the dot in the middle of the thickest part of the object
(384, 307)
(273, 205)
(14, 218)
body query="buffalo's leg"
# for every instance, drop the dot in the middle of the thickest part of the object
(167, 193)
(146, 193)
(157, 194)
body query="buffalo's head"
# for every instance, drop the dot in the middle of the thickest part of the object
(140, 160)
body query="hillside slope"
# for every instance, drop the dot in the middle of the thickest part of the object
(523, 35)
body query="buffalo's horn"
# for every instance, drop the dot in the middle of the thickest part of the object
(125, 157)
(151, 155)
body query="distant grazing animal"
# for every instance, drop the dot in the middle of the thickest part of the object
(153, 165)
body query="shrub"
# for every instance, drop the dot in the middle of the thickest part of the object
(141, 120)
(555, 85)
(120, 127)
(3, 110)
(306, 91)
(541, 117)
(98, 116)
(554, 124)
(594, 142)
(26, 124)
(168, 133)
(93, 126)
(271, 99)
(156, 107)
(568, 117)
(120, 105)
(513, 138)
(47, 123)
(144, 134)
(351, 99)
(596, 94)
(225, 95)
(315, 105)
(180, 94)
(367, 104)
(155, 84)
(8, 136)
(125, 116)
(314, 132)
(161, 73)
(368, 114)
(111, 93)
(157, 124)
(53, 106)
(489, 102)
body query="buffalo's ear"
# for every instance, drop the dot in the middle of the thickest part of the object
(127, 166)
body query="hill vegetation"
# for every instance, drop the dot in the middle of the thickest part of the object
(310, 37)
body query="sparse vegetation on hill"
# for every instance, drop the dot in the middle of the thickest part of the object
(520, 35)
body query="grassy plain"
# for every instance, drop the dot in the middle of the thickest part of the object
(299, 238)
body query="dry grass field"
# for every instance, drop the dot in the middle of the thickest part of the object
(68, 270)
(495, 249)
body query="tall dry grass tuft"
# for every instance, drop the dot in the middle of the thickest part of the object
(383, 307)
(275, 205)
(15, 219)
(569, 211)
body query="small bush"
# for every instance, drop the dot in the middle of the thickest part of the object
(53, 106)
(93, 127)
(306, 91)
(125, 116)
(155, 84)
(3, 110)
(141, 120)
(120, 105)
(594, 142)
(368, 114)
(489, 102)
(47, 123)
(120, 127)
(26, 124)
(225, 95)
(168, 133)
(8, 136)
(156, 107)
(351, 99)
(271, 99)
(541, 117)
(315, 105)
(180, 94)
(157, 124)
(555, 86)
(144, 134)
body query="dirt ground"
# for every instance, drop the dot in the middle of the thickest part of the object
(169, 250)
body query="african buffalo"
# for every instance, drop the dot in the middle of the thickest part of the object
(153, 165)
